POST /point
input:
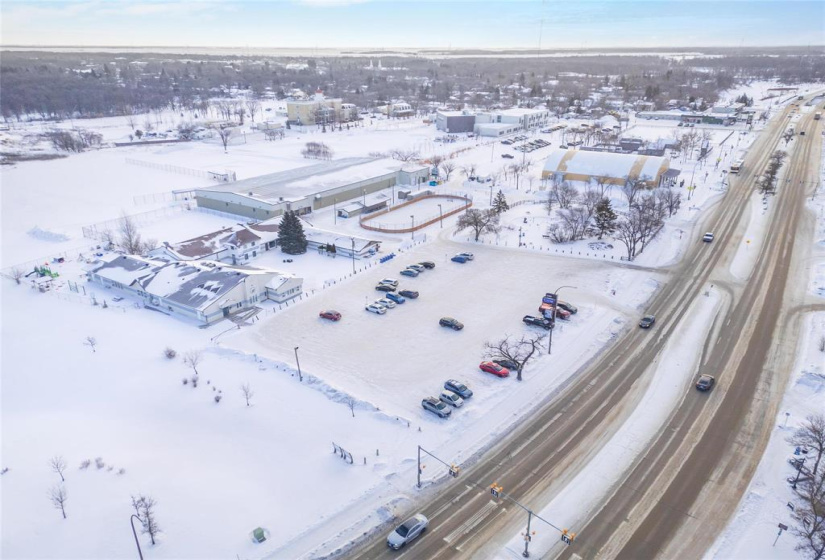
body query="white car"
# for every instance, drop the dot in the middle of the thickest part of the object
(384, 302)
(407, 531)
(708, 237)
(376, 308)
(451, 399)
(389, 282)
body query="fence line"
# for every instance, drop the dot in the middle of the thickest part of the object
(395, 228)
(170, 168)
(154, 198)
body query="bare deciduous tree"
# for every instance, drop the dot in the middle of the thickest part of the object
(247, 392)
(447, 168)
(350, 402)
(91, 342)
(254, 107)
(58, 465)
(404, 155)
(564, 194)
(192, 359)
(469, 170)
(224, 134)
(519, 351)
(811, 435)
(129, 239)
(58, 497)
(480, 221)
(16, 274)
(631, 190)
(670, 199)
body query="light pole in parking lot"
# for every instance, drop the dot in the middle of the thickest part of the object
(335, 209)
(553, 326)
(300, 377)
(137, 542)
(441, 215)
(412, 217)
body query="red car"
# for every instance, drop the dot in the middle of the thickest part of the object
(494, 368)
(546, 311)
(331, 315)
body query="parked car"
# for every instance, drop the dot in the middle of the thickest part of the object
(450, 322)
(569, 307)
(546, 324)
(386, 302)
(409, 272)
(705, 382)
(452, 399)
(436, 407)
(417, 267)
(385, 288)
(546, 309)
(647, 321)
(375, 308)
(427, 264)
(708, 237)
(507, 156)
(331, 315)
(395, 298)
(505, 363)
(494, 368)
(390, 282)
(412, 294)
(458, 387)
(468, 256)
(407, 531)
(459, 259)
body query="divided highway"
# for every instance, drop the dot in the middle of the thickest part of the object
(711, 443)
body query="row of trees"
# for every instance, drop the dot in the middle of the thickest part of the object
(809, 488)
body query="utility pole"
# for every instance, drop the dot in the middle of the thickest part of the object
(553, 326)
(353, 254)
(441, 216)
(300, 377)
(412, 232)
(137, 542)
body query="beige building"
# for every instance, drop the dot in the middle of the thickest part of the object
(318, 110)
(584, 166)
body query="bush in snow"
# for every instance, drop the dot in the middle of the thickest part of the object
(85, 464)
(218, 398)
(185, 381)
(169, 353)
(99, 462)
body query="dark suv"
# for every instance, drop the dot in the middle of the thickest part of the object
(546, 324)
(647, 321)
(450, 322)
(459, 388)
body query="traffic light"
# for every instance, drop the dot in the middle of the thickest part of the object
(495, 490)
(454, 470)
(567, 537)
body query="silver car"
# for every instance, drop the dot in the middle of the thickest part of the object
(451, 398)
(376, 308)
(407, 531)
(388, 303)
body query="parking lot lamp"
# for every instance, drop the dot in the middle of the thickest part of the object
(300, 377)
(553, 326)
(137, 542)
(412, 217)
(441, 215)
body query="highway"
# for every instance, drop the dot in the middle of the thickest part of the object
(711, 443)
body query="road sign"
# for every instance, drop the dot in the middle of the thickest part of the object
(495, 490)
(565, 539)
(783, 527)
(454, 471)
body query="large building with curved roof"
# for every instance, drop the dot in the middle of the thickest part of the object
(581, 165)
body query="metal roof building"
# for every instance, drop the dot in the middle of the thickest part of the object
(580, 165)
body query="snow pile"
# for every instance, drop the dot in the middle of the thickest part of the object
(46, 235)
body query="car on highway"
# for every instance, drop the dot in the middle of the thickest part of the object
(705, 382)
(409, 272)
(458, 387)
(468, 256)
(395, 298)
(452, 399)
(452, 323)
(331, 315)
(495, 369)
(417, 267)
(389, 282)
(546, 324)
(708, 237)
(385, 288)
(435, 406)
(412, 294)
(569, 307)
(407, 531)
(647, 321)
(386, 302)
(427, 264)
(459, 259)
(375, 308)
(506, 363)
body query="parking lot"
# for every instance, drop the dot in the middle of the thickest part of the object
(395, 360)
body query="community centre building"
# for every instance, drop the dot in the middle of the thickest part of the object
(617, 169)
(309, 188)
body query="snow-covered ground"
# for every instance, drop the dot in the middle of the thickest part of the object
(199, 459)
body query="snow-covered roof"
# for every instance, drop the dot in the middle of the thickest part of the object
(297, 183)
(605, 164)
(520, 112)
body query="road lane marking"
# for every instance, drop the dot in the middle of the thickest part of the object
(468, 525)
(451, 503)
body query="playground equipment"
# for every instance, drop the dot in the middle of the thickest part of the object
(45, 271)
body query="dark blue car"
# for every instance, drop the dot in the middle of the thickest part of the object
(459, 259)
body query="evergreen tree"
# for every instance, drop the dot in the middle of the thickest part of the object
(291, 236)
(605, 217)
(500, 203)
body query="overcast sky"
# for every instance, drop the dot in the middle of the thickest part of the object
(422, 23)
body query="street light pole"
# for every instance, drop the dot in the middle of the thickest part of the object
(353, 254)
(412, 217)
(300, 377)
(553, 326)
(137, 542)
(441, 215)
(335, 210)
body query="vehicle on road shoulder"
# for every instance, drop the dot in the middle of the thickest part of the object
(407, 531)
(708, 237)
(435, 406)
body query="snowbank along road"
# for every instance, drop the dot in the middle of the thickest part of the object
(689, 480)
